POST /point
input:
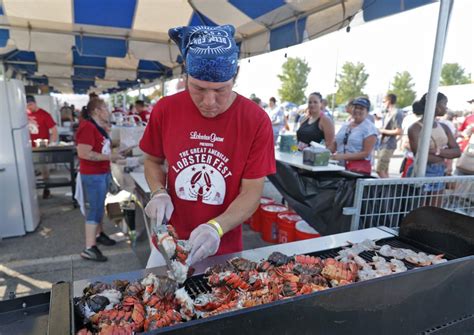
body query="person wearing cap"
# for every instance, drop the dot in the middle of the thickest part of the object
(41, 127)
(218, 146)
(391, 129)
(356, 139)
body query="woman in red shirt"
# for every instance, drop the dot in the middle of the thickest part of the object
(95, 154)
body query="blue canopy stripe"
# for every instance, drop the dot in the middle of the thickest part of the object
(4, 37)
(82, 41)
(287, 35)
(255, 9)
(109, 13)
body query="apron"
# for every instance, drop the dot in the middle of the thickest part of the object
(79, 194)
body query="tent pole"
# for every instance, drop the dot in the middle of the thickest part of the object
(421, 157)
(3, 75)
(124, 101)
(163, 82)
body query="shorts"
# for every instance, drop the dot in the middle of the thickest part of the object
(383, 160)
(432, 170)
(95, 188)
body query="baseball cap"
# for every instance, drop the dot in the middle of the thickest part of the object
(361, 101)
(30, 98)
(210, 53)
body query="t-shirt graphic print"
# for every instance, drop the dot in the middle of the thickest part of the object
(201, 174)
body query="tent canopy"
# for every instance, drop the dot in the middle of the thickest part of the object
(107, 45)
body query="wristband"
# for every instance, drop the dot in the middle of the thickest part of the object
(158, 191)
(216, 226)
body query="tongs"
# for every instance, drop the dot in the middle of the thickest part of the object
(160, 229)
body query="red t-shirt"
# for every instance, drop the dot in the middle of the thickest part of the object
(39, 124)
(144, 115)
(208, 158)
(469, 120)
(90, 135)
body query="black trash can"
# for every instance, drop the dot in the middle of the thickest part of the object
(318, 197)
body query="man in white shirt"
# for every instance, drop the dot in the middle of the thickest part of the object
(277, 116)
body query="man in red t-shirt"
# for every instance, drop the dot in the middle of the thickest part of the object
(218, 146)
(142, 110)
(465, 129)
(41, 126)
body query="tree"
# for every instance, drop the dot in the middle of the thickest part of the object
(453, 74)
(351, 82)
(294, 80)
(402, 87)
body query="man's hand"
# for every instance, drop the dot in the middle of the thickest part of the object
(159, 207)
(204, 241)
(115, 157)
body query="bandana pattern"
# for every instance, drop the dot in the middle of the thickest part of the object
(210, 53)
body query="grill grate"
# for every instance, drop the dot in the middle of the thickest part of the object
(198, 284)
(447, 325)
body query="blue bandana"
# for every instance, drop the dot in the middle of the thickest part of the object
(210, 53)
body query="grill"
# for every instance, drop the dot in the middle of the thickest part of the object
(198, 284)
(438, 299)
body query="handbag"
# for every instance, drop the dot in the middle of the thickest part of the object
(465, 163)
(359, 166)
(362, 166)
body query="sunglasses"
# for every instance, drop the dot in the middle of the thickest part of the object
(346, 135)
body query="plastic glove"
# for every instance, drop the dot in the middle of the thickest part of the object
(159, 207)
(204, 242)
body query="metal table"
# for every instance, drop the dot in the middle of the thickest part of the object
(53, 155)
(142, 193)
(296, 159)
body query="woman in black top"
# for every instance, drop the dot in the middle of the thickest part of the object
(315, 126)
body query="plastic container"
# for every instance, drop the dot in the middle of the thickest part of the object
(256, 219)
(269, 222)
(304, 231)
(316, 156)
(288, 142)
(286, 226)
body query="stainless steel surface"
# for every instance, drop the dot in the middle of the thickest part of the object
(299, 247)
(140, 181)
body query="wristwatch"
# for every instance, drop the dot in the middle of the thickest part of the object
(158, 191)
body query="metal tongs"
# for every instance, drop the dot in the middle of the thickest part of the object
(161, 229)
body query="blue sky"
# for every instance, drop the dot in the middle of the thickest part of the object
(403, 42)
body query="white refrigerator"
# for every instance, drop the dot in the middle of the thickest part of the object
(19, 211)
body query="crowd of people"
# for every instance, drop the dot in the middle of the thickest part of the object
(367, 141)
